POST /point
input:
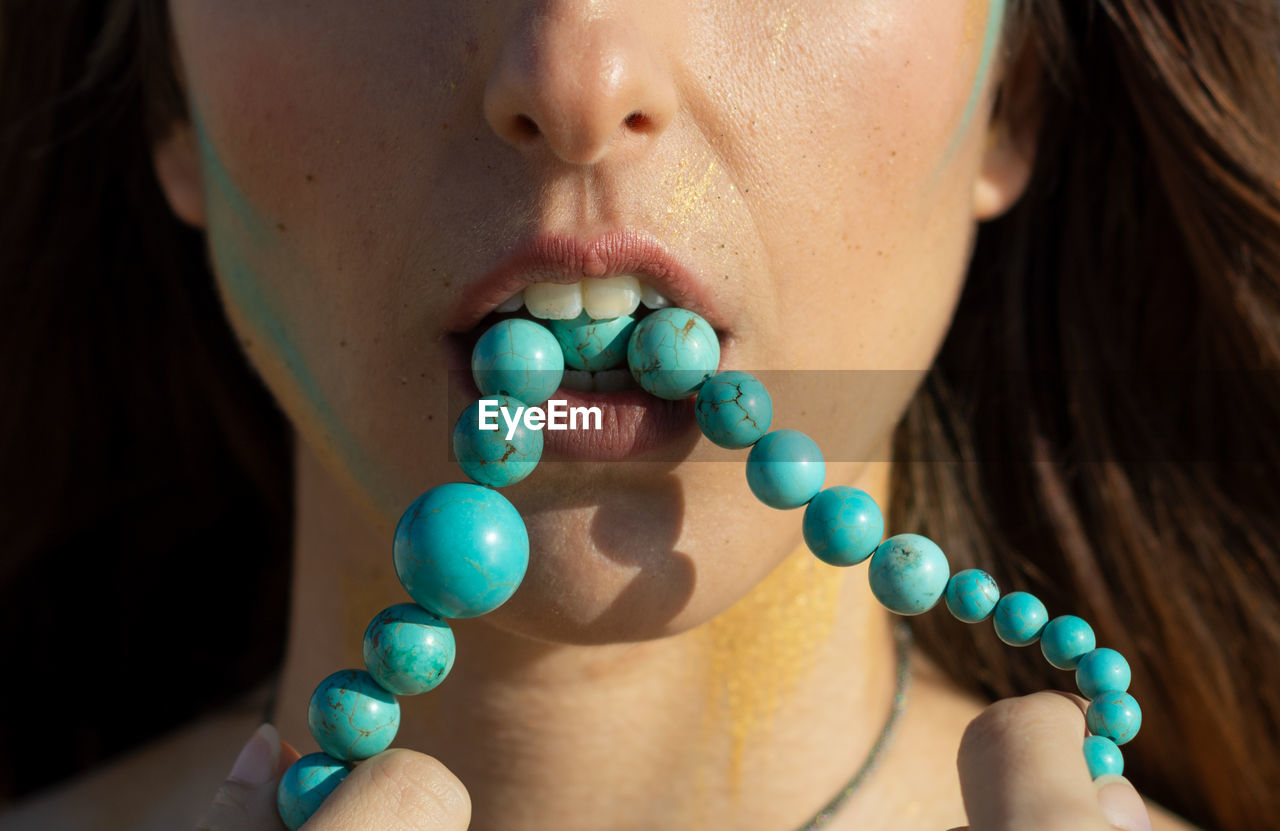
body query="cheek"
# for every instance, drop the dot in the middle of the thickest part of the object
(862, 161)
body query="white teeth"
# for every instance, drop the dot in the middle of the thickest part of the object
(614, 380)
(651, 299)
(553, 301)
(610, 297)
(578, 379)
(511, 304)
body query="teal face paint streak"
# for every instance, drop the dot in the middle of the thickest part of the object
(244, 288)
(990, 42)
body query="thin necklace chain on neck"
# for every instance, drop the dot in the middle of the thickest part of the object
(902, 640)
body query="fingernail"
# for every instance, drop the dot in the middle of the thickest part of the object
(1121, 803)
(256, 763)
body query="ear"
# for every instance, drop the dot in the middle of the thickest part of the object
(177, 162)
(1010, 154)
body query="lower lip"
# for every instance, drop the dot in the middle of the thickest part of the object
(633, 422)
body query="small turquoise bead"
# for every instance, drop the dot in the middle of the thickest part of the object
(1115, 715)
(488, 456)
(972, 594)
(351, 717)
(519, 358)
(407, 649)
(1102, 756)
(593, 345)
(785, 469)
(305, 785)
(1102, 670)
(1065, 639)
(733, 409)
(1019, 618)
(908, 574)
(461, 550)
(671, 353)
(842, 525)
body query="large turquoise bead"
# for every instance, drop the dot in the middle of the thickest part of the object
(1115, 715)
(971, 595)
(733, 409)
(407, 649)
(1102, 670)
(593, 345)
(671, 353)
(461, 550)
(842, 525)
(519, 358)
(305, 785)
(908, 574)
(1065, 639)
(1102, 756)
(785, 469)
(488, 456)
(351, 717)
(1019, 618)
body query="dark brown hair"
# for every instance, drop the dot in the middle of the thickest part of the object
(1094, 429)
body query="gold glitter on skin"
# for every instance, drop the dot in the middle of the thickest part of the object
(765, 643)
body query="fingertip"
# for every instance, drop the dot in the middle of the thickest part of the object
(1121, 803)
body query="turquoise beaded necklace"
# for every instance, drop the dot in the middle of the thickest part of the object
(461, 549)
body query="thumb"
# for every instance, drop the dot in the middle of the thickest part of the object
(246, 801)
(397, 788)
(1121, 803)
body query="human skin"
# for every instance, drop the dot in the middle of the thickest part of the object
(821, 165)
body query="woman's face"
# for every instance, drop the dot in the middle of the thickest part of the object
(817, 166)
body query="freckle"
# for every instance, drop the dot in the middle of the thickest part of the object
(310, 178)
(342, 343)
(444, 126)
(280, 227)
(430, 417)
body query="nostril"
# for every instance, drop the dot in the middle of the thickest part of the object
(526, 126)
(639, 122)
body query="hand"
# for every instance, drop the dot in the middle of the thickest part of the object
(1022, 767)
(395, 789)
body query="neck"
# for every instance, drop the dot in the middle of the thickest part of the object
(750, 721)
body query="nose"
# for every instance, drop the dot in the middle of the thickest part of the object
(583, 79)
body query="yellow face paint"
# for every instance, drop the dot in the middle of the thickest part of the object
(764, 644)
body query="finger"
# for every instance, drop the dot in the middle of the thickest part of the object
(397, 789)
(1022, 766)
(1121, 803)
(246, 801)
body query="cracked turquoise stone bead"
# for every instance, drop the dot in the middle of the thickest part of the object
(908, 574)
(519, 358)
(460, 550)
(1102, 756)
(305, 785)
(1115, 715)
(488, 456)
(842, 525)
(407, 649)
(594, 345)
(785, 469)
(671, 352)
(733, 409)
(1102, 670)
(351, 717)
(972, 595)
(1065, 640)
(1019, 618)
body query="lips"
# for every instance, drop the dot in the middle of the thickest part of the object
(635, 424)
(557, 258)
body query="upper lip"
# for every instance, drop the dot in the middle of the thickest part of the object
(561, 258)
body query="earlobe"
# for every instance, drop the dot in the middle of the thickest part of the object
(1006, 170)
(177, 165)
